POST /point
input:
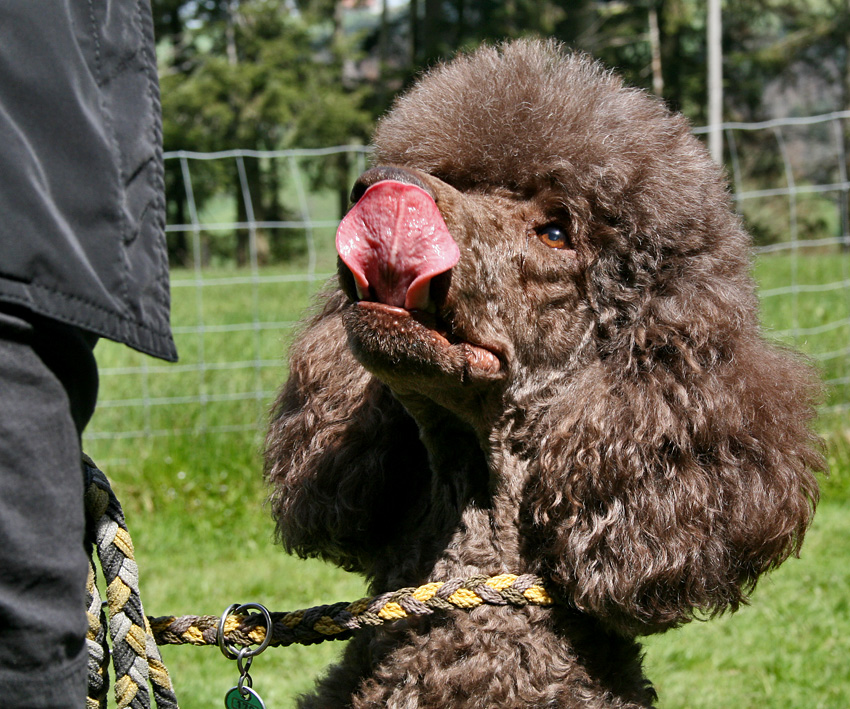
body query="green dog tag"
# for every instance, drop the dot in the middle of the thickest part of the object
(248, 699)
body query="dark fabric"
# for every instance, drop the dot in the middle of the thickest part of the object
(81, 178)
(48, 388)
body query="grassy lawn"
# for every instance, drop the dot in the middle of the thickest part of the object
(195, 501)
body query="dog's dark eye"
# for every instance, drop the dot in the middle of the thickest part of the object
(554, 236)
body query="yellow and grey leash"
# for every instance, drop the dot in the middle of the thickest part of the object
(340, 620)
(135, 655)
(136, 658)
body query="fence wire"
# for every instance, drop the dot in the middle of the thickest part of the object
(274, 213)
(802, 233)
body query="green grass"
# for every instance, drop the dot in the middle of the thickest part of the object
(789, 648)
(195, 505)
(815, 322)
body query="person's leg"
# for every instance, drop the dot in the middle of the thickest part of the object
(48, 387)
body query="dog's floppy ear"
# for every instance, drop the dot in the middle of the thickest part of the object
(342, 455)
(677, 466)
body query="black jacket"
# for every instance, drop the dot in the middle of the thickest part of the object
(82, 208)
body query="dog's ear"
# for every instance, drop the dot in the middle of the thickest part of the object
(677, 466)
(341, 453)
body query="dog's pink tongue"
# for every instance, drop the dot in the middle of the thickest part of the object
(394, 241)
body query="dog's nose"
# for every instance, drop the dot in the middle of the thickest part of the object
(381, 173)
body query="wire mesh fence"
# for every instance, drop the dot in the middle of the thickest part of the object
(790, 184)
(251, 237)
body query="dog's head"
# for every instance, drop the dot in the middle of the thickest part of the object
(581, 213)
(553, 259)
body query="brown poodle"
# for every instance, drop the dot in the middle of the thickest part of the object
(543, 357)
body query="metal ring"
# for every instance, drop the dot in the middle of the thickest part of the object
(248, 657)
(222, 645)
(230, 651)
(244, 681)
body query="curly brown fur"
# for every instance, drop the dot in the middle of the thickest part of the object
(637, 443)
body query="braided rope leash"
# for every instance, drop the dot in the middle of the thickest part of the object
(340, 620)
(135, 656)
(98, 648)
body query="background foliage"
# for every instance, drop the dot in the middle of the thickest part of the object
(277, 74)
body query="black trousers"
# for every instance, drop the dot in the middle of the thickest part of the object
(48, 390)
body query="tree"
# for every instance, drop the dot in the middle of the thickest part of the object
(248, 74)
(285, 73)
